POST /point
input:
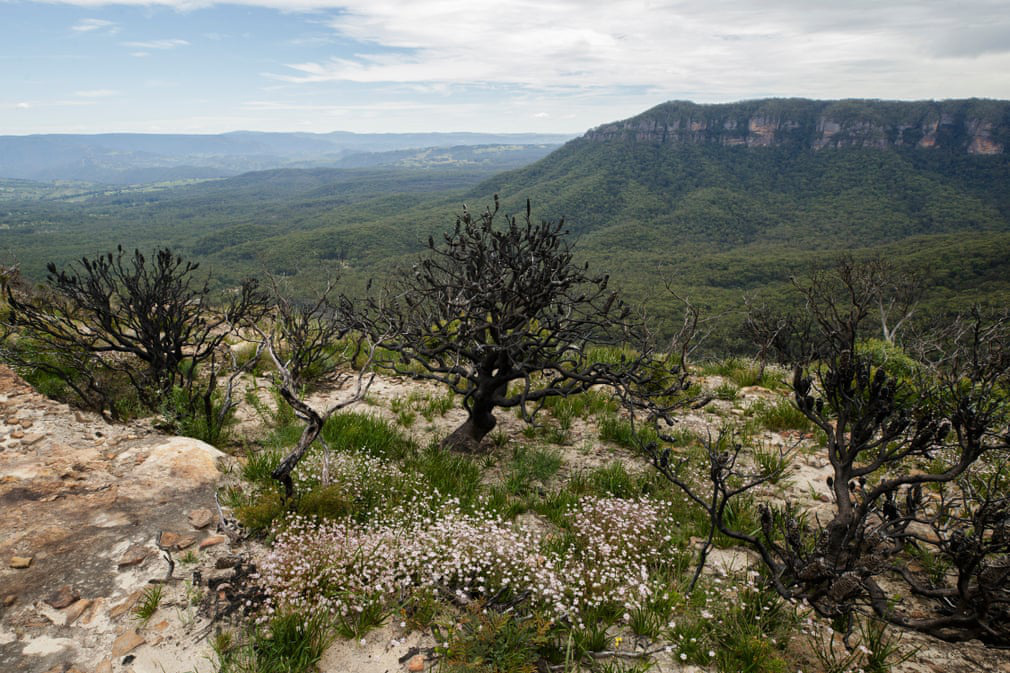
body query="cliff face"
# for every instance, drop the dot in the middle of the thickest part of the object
(974, 126)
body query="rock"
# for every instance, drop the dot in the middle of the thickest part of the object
(226, 562)
(20, 562)
(9, 600)
(127, 641)
(135, 555)
(105, 666)
(80, 417)
(33, 438)
(76, 610)
(17, 434)
(63, 597)
(169, 539)
(178, 460)
(25, 423)
(200, 518)
(212, 540)
(123, 607)
(185, 541)
(416, 663)
(216, 577)
(93, 611)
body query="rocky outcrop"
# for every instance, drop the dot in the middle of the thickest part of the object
(972, 126)
(83, 507)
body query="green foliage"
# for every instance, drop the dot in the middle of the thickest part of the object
(485, 641)
(742, 372)
(188, 414)
(778, 416)
(148, 603)
(289, 643)
(890, 357)
(620, 431)
(531, 465)
(356, 431)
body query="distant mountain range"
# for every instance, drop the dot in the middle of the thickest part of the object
(130, 158)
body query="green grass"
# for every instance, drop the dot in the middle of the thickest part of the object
(355, 431)
(530, 466)
(148, 603)
(289, 643)
(743, 373)
(619, 430)
(777, 416)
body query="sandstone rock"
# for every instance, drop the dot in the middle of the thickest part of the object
(212, 540)
(185, 541)
(105, 666)
(178, 460)
(9, 600)
(131, 600)
(25, 423)
(416, 663)
(135, 555)
(20, 562)
(93, 611)
(76, 610)
(127, 641)
(200, 518)
(17, 434)
(63, 597)
(169, 539)
(32, 439)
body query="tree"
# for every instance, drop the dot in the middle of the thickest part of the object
(506, 318)
(920, 474)
(114, 318)
(310, 343)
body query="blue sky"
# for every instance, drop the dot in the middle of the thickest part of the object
(199, 66)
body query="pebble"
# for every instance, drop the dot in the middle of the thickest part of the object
(200, 518)
(416, 663)
(169, 539)
(185, 541)
(76, 610)
(20, 562)
(9, 600)
(133, 556)
(127, 641)
(212, 540)
(120, 609)
(63, 597)
(33, 438)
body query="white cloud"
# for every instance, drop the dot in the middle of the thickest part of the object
(740, 48)
(22, 106)
(157, 44)
(89, 25)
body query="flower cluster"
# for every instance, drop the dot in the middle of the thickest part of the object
(346, 567)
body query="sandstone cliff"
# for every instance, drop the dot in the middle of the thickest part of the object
(974, 126)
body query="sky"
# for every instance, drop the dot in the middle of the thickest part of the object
(548, 66)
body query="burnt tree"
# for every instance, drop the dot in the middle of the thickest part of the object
(920, 531)
(310, 344)
(506, 318)
(114, 318)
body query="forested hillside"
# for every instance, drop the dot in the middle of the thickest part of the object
(721, 201)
